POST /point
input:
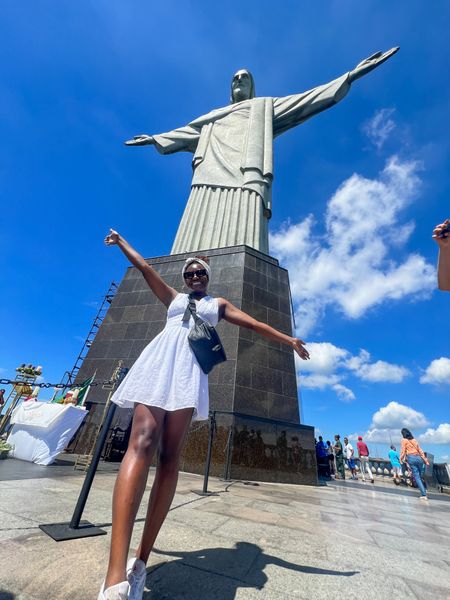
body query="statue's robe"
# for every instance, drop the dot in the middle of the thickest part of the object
(230, 201)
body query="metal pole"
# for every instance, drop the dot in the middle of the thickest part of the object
(82, 498)
(212, 425)
(77, 528)
(226, 476)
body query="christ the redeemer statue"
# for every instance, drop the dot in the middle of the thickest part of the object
(230, 201)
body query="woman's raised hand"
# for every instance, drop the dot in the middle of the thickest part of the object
(298, 346)
(112, 238)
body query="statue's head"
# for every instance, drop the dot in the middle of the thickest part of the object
(242, 86)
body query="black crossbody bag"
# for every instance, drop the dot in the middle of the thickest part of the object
(204, 340)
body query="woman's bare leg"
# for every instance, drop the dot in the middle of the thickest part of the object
(174, 433)
(130, 486)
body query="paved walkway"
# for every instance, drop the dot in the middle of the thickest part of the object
(270, 541)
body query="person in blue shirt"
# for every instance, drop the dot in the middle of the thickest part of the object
(394, 458)
(323, 464)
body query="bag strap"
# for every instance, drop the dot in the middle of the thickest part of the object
(191, 310)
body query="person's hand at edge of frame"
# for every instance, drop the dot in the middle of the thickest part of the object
(298, 346)
(441, 234)
(112, 238)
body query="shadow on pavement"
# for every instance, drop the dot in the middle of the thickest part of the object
(219, 572)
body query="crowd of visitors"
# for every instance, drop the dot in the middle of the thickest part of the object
(333, 458)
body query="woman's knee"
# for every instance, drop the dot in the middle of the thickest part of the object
(145, 431)
(143, 441)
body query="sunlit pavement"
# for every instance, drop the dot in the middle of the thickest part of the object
(344, 539)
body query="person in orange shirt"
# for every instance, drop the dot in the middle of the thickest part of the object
(413, 454)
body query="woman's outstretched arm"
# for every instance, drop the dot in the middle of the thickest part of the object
(441, 234)
(233, 315)
(159, 287)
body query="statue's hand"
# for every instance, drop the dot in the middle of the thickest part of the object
(368, 64)
(140, 140)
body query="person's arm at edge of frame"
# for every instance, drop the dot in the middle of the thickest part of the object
(443, 270)
(233, 315)
(159, 287)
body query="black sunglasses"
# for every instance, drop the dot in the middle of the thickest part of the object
(199, 273)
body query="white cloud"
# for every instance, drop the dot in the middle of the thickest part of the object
(437, 372)
(325, 357)
(383, 436)
(344, 393)
(330, 365)
(319, 381)
(396, 416)
(388, 421)
(350, 268)
(440, 435)
(380, 371)
(380, 126)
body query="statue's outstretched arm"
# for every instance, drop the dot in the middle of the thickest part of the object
(368, 64)
(183, 139)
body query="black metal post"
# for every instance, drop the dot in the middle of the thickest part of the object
(82, 498)
(226, 475)
(212, 427)
(77, 528)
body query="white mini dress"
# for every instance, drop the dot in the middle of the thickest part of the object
(167, 374)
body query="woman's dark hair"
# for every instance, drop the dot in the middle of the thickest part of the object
(407, 434)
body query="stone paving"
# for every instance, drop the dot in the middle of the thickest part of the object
(269, 541)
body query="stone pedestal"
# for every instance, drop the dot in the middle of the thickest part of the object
(258, 380)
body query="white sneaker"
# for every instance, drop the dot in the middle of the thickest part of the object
(120, 591)
(136, 576)
(425, 498)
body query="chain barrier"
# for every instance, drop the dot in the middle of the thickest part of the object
(59, 386)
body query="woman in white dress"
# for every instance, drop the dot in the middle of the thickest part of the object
(168, 389)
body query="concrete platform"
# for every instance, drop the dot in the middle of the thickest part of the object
(268, 541)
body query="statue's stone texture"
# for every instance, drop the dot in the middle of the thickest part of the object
(230, 201)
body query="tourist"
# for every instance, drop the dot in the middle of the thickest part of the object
(350, 456)
(363, 453)
(2, 399)
(322, 458)
(414, 456)
(441, 234)
(330, 458)
(167, 389)
(339, 457)
(394, 458)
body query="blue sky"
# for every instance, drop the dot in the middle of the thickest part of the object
(357, 189)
